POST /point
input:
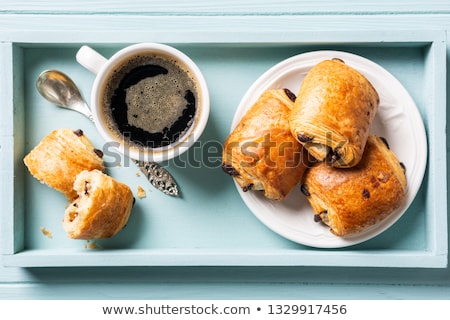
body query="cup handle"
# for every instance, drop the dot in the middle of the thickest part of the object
(90, 59)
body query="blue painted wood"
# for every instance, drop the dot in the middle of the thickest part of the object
(156, 233)
(203, 243)
(19, 18)
(232, 7)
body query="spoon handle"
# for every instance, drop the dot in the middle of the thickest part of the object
(159, 177)
(82, 108)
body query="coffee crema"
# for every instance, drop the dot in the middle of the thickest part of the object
(150, 101)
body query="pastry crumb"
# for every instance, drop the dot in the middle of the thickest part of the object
(141, 192)
(138, 174)
(91, 245)
(46, 232)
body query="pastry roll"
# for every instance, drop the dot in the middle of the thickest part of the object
(60, 156)
(261, 153)
(102, 208)
(333, 113)
(352, 199)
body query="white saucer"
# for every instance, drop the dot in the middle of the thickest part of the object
(398, 120)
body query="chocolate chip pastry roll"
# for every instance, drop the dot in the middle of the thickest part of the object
(352, 199)
(60, 157)
(261, 153)
(102, 208)
(333, 113)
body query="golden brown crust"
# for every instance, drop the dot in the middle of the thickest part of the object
(352, 199)
(60, 156)
(261, 153)
(333, 113)
(102, 208)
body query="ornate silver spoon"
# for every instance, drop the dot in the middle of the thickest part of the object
(59, 89)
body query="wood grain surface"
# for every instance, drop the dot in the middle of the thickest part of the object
(217, 21)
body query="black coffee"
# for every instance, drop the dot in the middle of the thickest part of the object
(150, 101)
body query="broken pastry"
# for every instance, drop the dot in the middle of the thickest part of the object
(352, 199)
(60, 156)
(333, 113)
(102, 208)
(261, 153)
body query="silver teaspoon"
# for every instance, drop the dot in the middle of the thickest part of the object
(59, 89)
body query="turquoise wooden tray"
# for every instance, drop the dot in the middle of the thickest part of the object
(209, 225)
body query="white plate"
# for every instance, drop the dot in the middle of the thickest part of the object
(398, 120)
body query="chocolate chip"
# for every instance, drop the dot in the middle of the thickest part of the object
(317, 218)
(227, 168)
(290, 94)
(385, 142)
(249, 187)
(338, 59)
(304, 190)
(335, 156)
(304, 138)
(99, 153)
(366, 194)
(86, 188)
(403, 166)
(78, 132)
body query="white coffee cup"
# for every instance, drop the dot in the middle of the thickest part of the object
(103, 68)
